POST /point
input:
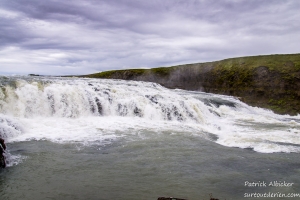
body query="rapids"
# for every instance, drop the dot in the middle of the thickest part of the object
(89, 111)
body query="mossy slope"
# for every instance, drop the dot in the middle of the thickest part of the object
(271, 81)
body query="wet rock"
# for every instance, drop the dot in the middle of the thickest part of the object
(137, 112)
(169, 198)
(99, 105)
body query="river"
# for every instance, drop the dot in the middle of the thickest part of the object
(70, 138)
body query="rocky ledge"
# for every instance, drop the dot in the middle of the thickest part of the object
(271, 81)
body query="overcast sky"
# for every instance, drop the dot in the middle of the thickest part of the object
(54, 37)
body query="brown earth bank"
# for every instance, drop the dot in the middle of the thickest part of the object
(271, 81)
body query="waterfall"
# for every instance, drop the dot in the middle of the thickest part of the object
(72, 109)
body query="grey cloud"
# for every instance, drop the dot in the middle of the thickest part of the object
(85, 36)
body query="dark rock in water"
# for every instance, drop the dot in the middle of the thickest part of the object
(99, 105)
(215, 113)
(137, 112)
(211, 197)
(169, 198)
(2, 162)
(218, 103)
(154, 99)
(52, 102)
(96, 89)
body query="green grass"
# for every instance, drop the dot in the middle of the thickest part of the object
(162, 71)
(234, 76)
(105, 74)
(282, 63)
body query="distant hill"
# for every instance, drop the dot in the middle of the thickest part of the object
(271, 81)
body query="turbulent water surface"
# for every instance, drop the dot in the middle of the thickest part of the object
(110, 139)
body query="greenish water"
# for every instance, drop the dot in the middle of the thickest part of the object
(177, 165)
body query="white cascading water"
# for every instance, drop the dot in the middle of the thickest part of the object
(92, 111)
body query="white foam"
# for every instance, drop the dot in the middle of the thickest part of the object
(97, 130)
(9, 126)
(12, 160)
(92, 111)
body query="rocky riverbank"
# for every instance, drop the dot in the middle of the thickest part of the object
(271, 81)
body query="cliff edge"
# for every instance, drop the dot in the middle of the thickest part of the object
(271, 81)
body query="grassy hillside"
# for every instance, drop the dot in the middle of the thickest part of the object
(271, 81)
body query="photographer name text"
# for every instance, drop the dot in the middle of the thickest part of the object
(268, 184)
